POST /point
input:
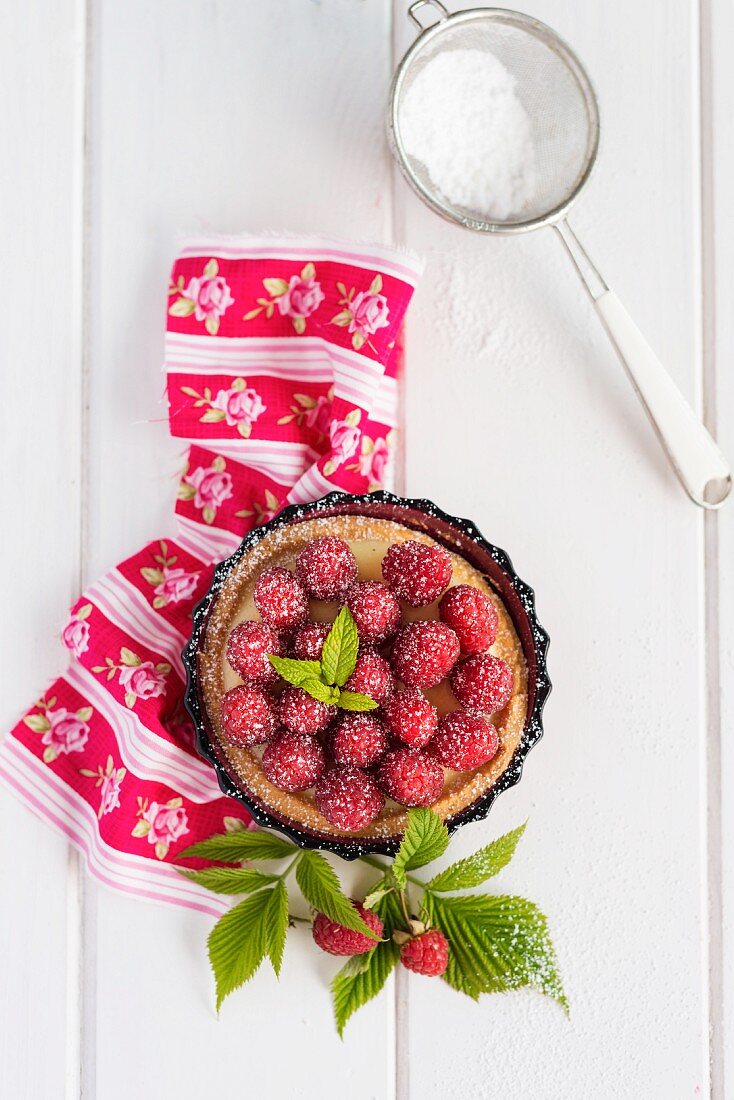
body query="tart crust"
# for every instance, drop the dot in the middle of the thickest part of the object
(369, 539)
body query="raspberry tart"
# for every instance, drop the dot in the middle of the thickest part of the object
(440, 698)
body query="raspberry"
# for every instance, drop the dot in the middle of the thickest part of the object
(281, 599)
(471, 615)
(293, 761)
(247, 652)
(410, 778)
(309, 641)
(248, 716)
(464, 741)
(358, 740)
(348, 798)
(338, 940)
(372, 676)
(483, 683)
(375, 610)
(301, 713)
(326, 568)
(411, 717)
(426, 954)
(424, 653)
(417, 573)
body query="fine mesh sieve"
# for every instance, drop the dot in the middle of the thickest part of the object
(563, 117)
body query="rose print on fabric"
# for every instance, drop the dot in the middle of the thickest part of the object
(64, 731)
(297, 298)
(109, 780)
(262, 512)
(169, 585)
(207, 297)
(240, 406)
(75, 634)
(208, 487)
(161, 824)
(363, 313)
(374, 460)
(140, 679)
(314, 412)
(344, 436)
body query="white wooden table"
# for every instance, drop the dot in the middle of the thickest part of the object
(124, 123)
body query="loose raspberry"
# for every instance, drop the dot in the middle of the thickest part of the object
(338, 940)
(411, 717)
(424, 653)
(247, 652)
(417, 573)
(426, 954)
(293, 761)
(248, 716)
(326, 568)
(358, 740)
(464, 741)
(375, 611)
(472, 616)
(309, 641)
(372, 676)
(301, 713)
(483, 683)
(410, 778)
(281, 599)
(348, 798)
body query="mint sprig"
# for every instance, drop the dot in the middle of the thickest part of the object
(324, 679)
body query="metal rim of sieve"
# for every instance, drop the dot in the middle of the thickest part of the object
(527, 25)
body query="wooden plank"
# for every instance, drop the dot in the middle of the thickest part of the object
(519, 416)
(233, 118)
(40, 74)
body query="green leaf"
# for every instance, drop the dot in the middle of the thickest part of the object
(376, 285)
(356, 984)
(211, 324)
(85, 713)
(321, 889)
(212, 416)
(182, 307)
(152, 576)
(129, 658)
(237, 943)
(275, 287)
(229, 880)
(342, 318)
(308, 272)
(496, 944)
(425, 839)
(39, 723)
(84, 611)
(211, 269)
(353, 700)
(234, 847)
(477, 868)
(277, 925)
(339, 654)
(295, 672)
(317, 689)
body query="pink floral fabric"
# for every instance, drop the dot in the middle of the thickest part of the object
(281, 362)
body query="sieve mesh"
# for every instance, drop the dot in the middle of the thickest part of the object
(554, 91)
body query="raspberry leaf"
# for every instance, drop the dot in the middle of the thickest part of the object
(237, 943)
(477, 868)
(424, 840)
(321, 889)
(234, 847)
(295, 672)
(277, 925)
(363, 976)
(229, 880)
(354, 700)
(317, 689)
(339, 652)
(496, 944)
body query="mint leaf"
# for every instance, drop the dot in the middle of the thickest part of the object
(424, 840)
(476, 869)
(295, 672)
(339, 653)
(237, 943)
(354, 985)
(317, 689)
(321, 889)
(229, 880)
(276, 920)
(496, 944)
(354, 700)
(234, 847)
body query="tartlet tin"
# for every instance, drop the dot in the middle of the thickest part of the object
(458, 535)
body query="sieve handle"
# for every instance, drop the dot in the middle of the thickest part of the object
(697, 460)
(418, 4)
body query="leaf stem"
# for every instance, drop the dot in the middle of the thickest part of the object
(386, 867)
(287, 870)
